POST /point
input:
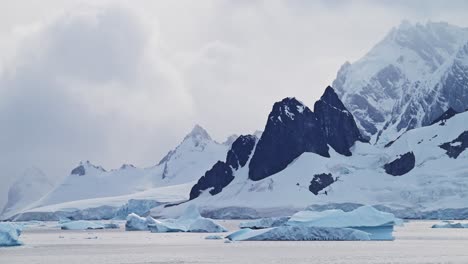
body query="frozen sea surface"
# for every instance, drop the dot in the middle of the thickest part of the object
(416, 242)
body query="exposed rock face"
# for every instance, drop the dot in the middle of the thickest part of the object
(80, 171)
(84, 166)
(402, 165)
(320, 182)
(216, 178)
(456, 146)
(221, 174)
(291, 129)
(445, 116)
(240, 151)
(337, 122)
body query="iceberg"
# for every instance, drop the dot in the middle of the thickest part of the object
(447, 224)
(265, 222)
(189, 221)
(365, 218)
(299, 233)
(138, 223)
(81, 225)
(9, 235)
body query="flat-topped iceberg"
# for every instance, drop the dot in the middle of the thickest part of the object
(81, 225)
(189, 221)
(265, 222)
(9, 235)
(448, 224)
(365, 218)
(138, 223)
(299, 233)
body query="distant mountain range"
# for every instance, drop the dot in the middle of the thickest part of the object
(392, 132)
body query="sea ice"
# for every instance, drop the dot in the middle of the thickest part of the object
(299, 233)
(9, 235)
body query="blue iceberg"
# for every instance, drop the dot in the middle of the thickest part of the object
(299, 233)
(9, 235)
(379, 225)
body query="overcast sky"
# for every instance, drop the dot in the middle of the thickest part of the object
(123, 81)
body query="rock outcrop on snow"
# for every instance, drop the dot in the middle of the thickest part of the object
(221, 174)
(401, 165)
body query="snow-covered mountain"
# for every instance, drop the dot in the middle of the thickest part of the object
(407, 80)
(421, 173)
(182, 165)
(31, 186)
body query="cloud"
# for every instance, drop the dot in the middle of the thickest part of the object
(94, 85)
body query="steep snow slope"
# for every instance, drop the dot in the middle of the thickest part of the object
(185, 164)
(31, 186)
(407, 80)
(436, 181)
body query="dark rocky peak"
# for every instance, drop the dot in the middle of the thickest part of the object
(84, 167)
(291, 129)
(287, 110)
(222, 173)
(331, 98)
(240, 151)
(445, 116)
(337, 122)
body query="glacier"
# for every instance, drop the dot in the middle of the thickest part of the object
(9, 235)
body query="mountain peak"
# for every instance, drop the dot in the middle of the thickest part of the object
(84, 167)
(287, 109)
(199, 133)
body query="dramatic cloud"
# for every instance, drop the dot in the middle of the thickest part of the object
(123, 82)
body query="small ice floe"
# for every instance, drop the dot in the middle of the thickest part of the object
(9, 235)
(214, 237)
(138, 223)
(364, 223)
(265, 222)
(81, 225)
(448, 224)
(189, 221)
